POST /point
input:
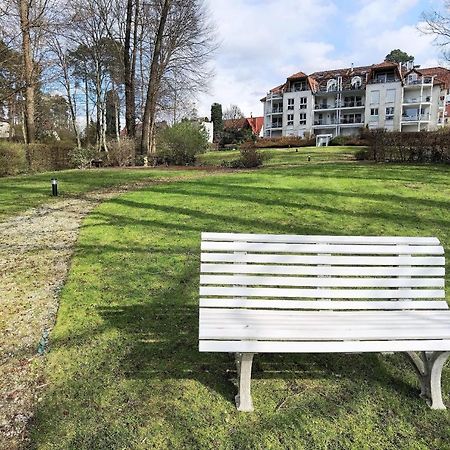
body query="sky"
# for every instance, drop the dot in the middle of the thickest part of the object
(262, 42)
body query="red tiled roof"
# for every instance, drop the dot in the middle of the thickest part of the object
(256, 123)
(442, 74)
(297, 76)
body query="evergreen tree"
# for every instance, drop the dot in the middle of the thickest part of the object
(217, 120)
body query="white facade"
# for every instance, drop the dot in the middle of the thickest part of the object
(209, 128)
(344, 101)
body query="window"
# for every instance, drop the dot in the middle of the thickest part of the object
(299, 86)
(303, 102)
(331, 85)
(374, 111)
(290, 103)
(390, 96)
(375, 97)
(290, 119)
(302, 118)
(356, 82)
(390, 113)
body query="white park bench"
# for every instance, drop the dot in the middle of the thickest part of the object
(264, 293)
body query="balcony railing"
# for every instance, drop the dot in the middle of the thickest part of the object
(415, 117)
(417, 100)
(356, 121)
(272, 96)
(276, 125)
(419, 81)
(277, 110)
(326, 122)
(348, 121)
(353, 104)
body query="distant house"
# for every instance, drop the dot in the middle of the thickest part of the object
(4, 129)
(255, 124)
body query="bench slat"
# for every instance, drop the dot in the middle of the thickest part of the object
(305, 239)
(326, 260)
(314, 270)
(324, 346)
(323, 304)
(320, 293)
(242, 280)
(323, 248)
(266, 325)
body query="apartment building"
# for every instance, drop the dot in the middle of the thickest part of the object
(343, 101)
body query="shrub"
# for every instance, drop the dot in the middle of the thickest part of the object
(81, 157)
(249, 158)
(420, 146)
(12, 158)
(180, 144)
(282, 142)
(348, 141)
(123, 153)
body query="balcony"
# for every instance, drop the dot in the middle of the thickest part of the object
(353, 121)
(276, 125)
(417, 100)
(274, 96)
(278, 110)
(416, 118)
(353, 104)
(326, 123)
(324, 106)
(419, 81)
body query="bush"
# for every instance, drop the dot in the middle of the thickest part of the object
(348, 141)
(420, 146)
(81, 157)
(180, 144)
(123, 153)
(249, 158)
(12, 158)
(51, 156)
(281, 142)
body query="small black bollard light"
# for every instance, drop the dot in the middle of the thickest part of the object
(54, 187)
(309, 158)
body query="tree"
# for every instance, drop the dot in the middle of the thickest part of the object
(437, 24)
(182, 43)
(217, 120)
(233, 112)
(398, 56)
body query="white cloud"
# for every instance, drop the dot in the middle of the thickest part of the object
(265, 41)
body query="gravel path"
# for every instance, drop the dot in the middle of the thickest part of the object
(35, 251)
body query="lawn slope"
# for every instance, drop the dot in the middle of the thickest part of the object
(124, 370)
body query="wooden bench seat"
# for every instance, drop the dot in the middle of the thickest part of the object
(320, 294)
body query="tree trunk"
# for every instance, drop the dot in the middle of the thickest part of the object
(148, 144)
(29, 126)
(129, 59)
(86, 96)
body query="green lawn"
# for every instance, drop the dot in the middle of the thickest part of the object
(124, 370)
(22, 192)
(285, 156)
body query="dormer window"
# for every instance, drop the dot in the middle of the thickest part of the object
(356, 82)
(331, 85)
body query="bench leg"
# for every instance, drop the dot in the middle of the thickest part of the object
(244, 372)
(429, 366)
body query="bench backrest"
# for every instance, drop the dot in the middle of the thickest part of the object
(266, 271)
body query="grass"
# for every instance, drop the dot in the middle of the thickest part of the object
(22, 192)
(124, 370)
(286, 156)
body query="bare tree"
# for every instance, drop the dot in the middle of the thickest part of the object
(63, 64)
(183, 42)
(437, 24)
(233, 112)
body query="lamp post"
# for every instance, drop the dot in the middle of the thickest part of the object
(54, 187)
